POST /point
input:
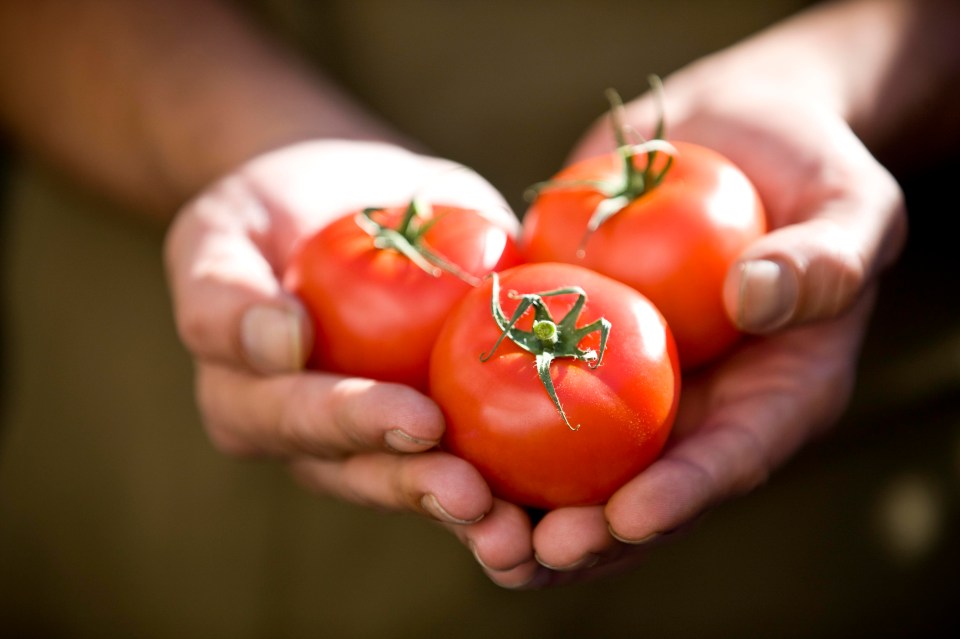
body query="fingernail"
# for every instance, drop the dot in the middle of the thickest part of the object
(587, 561)
(402, 442)
(476, 556)
(272, 339)
(633, 541)
(540, 578)
(767, 295)
(431, 504)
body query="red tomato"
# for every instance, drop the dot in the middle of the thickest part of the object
(500, 416)
(674, 243)
(375, 311)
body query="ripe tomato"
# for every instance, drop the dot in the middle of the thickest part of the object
(615, 384)
(378, 284)
(672, 240)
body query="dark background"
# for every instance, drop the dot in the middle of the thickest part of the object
(117, 519)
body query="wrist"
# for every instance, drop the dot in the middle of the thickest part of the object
(889, 68)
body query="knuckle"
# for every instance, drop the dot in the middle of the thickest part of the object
(350, 405)
(751, 461)
(223, 433)
(226, 441)
(193, 328)
(836, 272)
(308, 436)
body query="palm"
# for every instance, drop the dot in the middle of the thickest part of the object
(362, 441)
(742, 417)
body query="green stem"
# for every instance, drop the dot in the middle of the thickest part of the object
(548, 340)
(633, 181)
(407, 239)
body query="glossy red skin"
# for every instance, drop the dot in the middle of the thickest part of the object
(501, 419)
(375, 313)
(674, 244)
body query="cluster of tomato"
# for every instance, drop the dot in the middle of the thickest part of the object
(556, 359)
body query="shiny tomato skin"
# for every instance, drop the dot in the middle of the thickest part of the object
(374, 312)
(674, 244)
(501, 419)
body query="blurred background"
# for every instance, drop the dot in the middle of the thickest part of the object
(118, 519)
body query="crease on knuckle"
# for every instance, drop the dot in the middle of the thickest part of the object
(838, 270)
(342, 407)
(194, 328)
(222, 433)
(754, 471)
(227, 442)
(745, 465)
(301, 424)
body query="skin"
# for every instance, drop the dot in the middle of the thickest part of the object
(342, 436)
(236, 187)
(110, 102)
(807, 287)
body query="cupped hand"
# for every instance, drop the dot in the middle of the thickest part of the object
(355, 439)
(803, 293)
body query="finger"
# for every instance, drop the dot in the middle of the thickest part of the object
(576, 544)
(817, 268)
(501, 544)
(681, 485)
(400, 176)
(838, 215)
(570, 539)
(528, 576)
(228, 304)
(752, 413)
(434, 484)
(313, 414)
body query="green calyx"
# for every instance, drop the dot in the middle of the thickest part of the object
(407, 239)
(634, 179)
(548, 340)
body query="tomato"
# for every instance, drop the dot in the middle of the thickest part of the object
(378, 284)
(673, 240)
(613, 374)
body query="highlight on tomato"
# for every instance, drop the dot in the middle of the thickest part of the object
(378, 284)
(669, 218)
(557, 383)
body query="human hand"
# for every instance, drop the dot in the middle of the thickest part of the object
(359, 440)
(804, 290)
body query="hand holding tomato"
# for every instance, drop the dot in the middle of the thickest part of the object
(666, 218)
(836, 220)
(835, 215)
(349, 437)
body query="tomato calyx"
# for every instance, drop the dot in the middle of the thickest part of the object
(632, 181)
(407, 239)
(548, 339)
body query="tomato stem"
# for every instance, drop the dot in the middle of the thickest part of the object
(632, 181)
(549, 339)
(546, 331)
(407, 239)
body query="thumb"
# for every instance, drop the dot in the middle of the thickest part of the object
(817, 268)
(228, 303)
